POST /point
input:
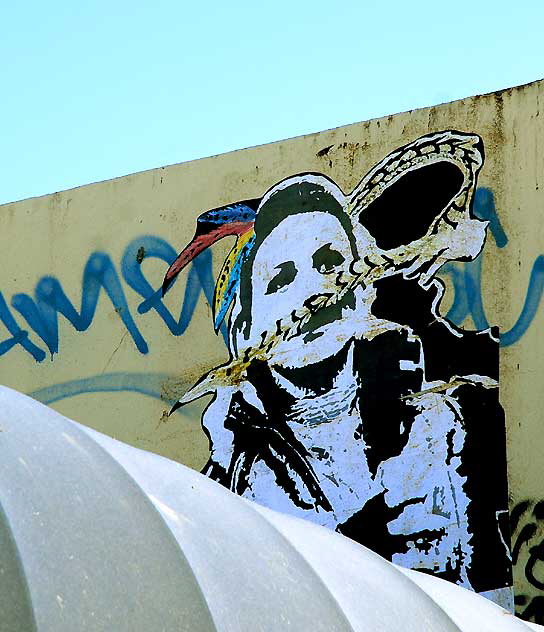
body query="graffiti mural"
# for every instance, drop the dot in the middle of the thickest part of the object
(348, 399)
(527, 524)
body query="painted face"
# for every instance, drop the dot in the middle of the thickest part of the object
(297, 262)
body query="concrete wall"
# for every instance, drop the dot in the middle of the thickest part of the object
(116, 359)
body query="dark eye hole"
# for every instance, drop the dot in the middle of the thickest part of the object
(326, 260)
(287, 273)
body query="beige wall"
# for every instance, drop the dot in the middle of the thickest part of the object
(56, 234)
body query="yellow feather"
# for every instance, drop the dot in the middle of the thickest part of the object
(224, 276)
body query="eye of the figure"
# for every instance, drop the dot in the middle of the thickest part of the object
(286, 275)
(325, 260)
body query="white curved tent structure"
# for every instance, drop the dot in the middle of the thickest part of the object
(96, 535)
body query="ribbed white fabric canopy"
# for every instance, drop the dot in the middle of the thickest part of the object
(96, 535)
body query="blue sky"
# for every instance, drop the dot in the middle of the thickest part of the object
(94, 90)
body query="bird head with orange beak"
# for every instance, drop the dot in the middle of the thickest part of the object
(232, 220)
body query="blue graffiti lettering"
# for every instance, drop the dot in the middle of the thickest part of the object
(50, 300)
(144, 383)
(467, 279)
(200, 276)
(18, 335)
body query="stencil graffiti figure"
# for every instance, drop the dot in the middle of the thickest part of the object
(348, 400)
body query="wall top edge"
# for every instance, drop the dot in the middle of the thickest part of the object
(497, 94)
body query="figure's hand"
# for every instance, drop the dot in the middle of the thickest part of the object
(424, 484)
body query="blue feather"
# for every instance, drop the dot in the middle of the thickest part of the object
(234, 282)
